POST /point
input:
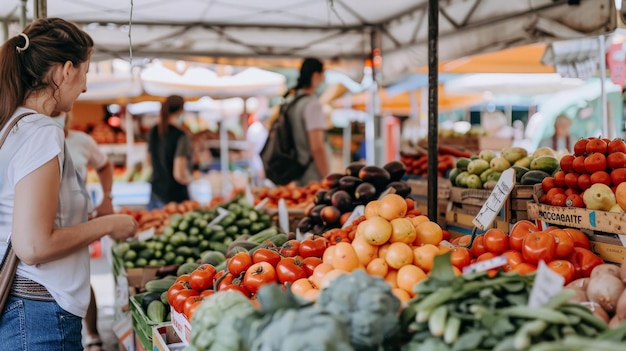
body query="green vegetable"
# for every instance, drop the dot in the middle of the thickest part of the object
(156, 311)
(368, 305)
(186, 268)
(160, 285)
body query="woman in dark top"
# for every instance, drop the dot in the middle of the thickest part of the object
(169, 152)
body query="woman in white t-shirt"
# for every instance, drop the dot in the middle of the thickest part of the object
(43, 203)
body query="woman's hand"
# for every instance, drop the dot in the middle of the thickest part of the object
(122, 226)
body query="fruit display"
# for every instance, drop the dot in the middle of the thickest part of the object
(159, 218)
(189, 235)
(590, 178)
(359, 185)
(417, 163)
(484, 170)
(294, 196)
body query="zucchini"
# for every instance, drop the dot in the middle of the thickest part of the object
(156, 311)
(533, 177)
(159, 285)
(186, 268)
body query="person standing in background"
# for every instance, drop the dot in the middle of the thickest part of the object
(86, 153)
(562, 139)
(43, 202)
(310, 130)
(170, 155)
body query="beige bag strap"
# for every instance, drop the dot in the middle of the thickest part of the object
(12, 124)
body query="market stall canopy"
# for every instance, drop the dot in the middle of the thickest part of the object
(521, 84)
(110, 80)
(340, 31)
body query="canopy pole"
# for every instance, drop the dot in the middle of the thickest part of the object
(433, 115)
(224, 161)
(603, 102)
(371, 136)
(5, 30)
(40, 8)
(23, 14)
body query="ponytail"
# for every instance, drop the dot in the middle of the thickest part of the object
(172, 104)
(11, 86)
(308, 67)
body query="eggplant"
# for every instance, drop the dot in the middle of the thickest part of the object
(330, 215)
(354, 168)
(365, 193)
(329, 195)
(305, 225)
(396, 170)
(331, 181)
(401, 188)
(316, 214)
(320, 195)
(349, 183)
(377, 176)
(342, 200)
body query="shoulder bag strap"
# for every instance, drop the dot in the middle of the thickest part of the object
(11, 125)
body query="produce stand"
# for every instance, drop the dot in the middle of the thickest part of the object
(419, 188)
(477, 144)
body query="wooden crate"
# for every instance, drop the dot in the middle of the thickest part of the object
(477, 144)
(470, 201)
(458, 223)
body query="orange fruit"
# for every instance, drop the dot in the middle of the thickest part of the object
(371, 209)
(620, 195)
(392, 278)
(417, 220)
(392, 206)
(402, 231)
(408, 276)
(382, 250)
(365, 251)
(328, 255)
(301, 286)
(424, 256)
(345, 257)
(428, 233)
(377, 267)
(312, 295)
(375, 230)
(399, 255)
(319, 273)
(330, 276)
(401, 294)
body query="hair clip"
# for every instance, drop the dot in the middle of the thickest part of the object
(26, 43)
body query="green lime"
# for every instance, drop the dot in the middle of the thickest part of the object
(130, 255)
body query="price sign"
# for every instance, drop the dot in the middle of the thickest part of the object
(283, 216)
(249, 196)
(494, 203)
(486, 265)
(144, 235)
(262, 204)
(356, 213)
(221, 214)
(547, 284)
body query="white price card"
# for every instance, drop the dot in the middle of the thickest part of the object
(486, 265)
(547, 284)
(145, 234)
(283, 216)
(356, 213)
(249, 196)
(261, 204)
(496, 200)
(221, 214)
(390, 190)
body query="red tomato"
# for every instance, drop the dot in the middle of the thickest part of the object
(310, 263)
(601, 177)
(239, 263)
(584, 182)
(266, 255)
(579, 165)
(175, 289)
(580, 148)
(207, 293)
(257, 275)
(559, 179)
(202, 277)
(524, 268)
(574, 200)
(189, 302)
(496, 241)
(595, 162)
(486, 256)
(564, 268)
(538, 246)
(226, 281)
(616, 145)
(571, 191)
(478, 246)
(313, 246)
(513, 259)
(567, 163)
(184, 278)
(518, 232)
(584, 262)
(580, 238)
(460, 257)
(558, 200)
(571, 180)
(618, 176)
(178, 299)
(596, 145)
(548, 183)
(237, 287)
(564, 243)
(616, 160)
(291, 248)
(288, 270)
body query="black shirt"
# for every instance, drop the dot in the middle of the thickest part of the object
(163, 150)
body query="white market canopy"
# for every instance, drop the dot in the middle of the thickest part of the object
(252, 31)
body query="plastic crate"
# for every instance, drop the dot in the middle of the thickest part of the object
(142, 325)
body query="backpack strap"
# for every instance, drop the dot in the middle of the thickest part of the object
(12, 124)
(285, 113)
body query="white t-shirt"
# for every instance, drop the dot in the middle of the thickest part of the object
(85, 152)
(256, 137)
(34, 141)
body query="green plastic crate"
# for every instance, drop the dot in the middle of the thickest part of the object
(142, 325)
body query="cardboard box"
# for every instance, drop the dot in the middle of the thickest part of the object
(164, 338)
(123, 330)
(477, 144)
(181, 325)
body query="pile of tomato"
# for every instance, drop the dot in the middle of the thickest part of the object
(594, 161)
(565, 250)
(247, 272)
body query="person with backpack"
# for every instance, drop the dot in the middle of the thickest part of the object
(296, 146)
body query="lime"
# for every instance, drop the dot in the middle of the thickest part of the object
(129, 265)
(130, 255)
(141, 262)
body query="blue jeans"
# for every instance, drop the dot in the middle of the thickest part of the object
(38, 326)
(155, 203)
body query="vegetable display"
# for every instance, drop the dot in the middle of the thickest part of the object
(417, 163)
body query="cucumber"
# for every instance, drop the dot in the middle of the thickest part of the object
(213, 258)
(184, 251)
(164, 299)
(159, 285)
(147, 299)
(547, 164)
(533, 177)
(462, 163)
(519, 172)
(186, 268)
(156, 311)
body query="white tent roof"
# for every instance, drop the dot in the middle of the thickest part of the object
(329, 29)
